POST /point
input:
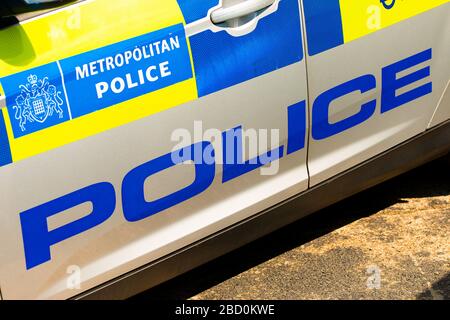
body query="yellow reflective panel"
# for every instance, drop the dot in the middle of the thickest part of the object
(78, 29)
(363, 17)
(100, 121)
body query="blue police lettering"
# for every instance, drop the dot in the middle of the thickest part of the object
(38, 240)
(136, 208)
(389, 98)
(234, 166)
(322, 128)
(296, 127)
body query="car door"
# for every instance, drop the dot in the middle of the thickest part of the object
(131, 129)
(376, 72)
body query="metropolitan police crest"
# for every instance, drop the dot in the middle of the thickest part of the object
(37, 101)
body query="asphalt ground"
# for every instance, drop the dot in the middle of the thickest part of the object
(389, 242)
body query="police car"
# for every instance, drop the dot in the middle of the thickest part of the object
(142, 138)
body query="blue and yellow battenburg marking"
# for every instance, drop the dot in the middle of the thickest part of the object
(80, 85)
(74, 73)
(242, 58)
(38, 51)
(62, 86)
(331, 23)
(5, 151)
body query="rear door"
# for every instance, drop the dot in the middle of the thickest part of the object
(376, 71)
(133, 128)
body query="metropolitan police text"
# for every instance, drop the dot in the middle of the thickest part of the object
(151, 74)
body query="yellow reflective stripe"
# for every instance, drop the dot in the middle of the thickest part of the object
(78, 30)
(100, 121)
(87, 26)
(362, 17)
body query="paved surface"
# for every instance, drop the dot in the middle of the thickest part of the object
(390, 242)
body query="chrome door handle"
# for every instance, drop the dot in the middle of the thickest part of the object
(239, 10)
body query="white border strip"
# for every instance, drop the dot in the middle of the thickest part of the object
(64, 88)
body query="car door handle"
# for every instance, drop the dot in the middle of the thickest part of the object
(239, 10)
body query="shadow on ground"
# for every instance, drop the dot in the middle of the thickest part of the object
(442, 286)
(429, 181)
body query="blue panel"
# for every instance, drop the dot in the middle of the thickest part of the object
(196, 9)
(35, 99)
(126, 70)
(323, 25)
(222, 60)
(5, 151)
(96, 79)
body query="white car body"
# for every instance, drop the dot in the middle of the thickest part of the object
(246, 74)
